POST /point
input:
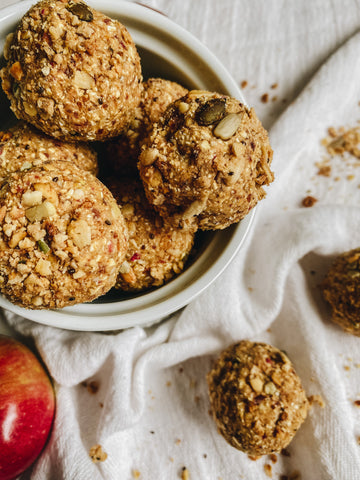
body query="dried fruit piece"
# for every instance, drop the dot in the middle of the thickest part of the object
(211, 111)
(81, 10)
(228, 126)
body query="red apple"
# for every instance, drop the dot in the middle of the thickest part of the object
(27, 405)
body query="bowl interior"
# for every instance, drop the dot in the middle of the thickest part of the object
(166, 51)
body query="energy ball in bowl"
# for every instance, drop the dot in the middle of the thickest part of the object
(156, 252)
(257, 399)
(206, 161)
(72, 72)
(341, 289)
(23, 146)
(122, 152)
(62, 237)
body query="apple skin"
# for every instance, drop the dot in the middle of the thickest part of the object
(27, 407)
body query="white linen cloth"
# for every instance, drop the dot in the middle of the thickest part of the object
(150, 413)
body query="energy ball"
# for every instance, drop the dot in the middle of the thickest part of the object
(256, 397)
(156, 252)
(206, 161)
(23, 146)
(62, 237)
(72, 72)
(123, 152)
(341, 289)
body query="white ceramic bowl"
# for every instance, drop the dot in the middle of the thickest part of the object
(170, 52)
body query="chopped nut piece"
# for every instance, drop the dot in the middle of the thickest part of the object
(308, 201)
(39, 212)
(31, 198)
(80, 233)
(83, 80)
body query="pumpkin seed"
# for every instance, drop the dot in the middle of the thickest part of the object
(81, 10)
(211, 111)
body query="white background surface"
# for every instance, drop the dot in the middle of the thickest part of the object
(161, 421)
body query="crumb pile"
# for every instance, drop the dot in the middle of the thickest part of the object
(257, 400)
(172, 162)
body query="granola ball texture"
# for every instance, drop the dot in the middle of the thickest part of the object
(206, 161)
(257, 400)
(23, 146)
(62, 237)
(156, 252)
(72, 72)
(122, 152)
(341, 289)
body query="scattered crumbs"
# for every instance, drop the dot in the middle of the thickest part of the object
(205, 455)
(308, 201)
(152, 432)
(149, 392)
(268, 470)
(101, 405)
(274, 98)
(357, 365)
(171, 459)
(350, 177)
(136, 473)
(337, 179)
(273, 457)
(268, 330)
(250, 289)
(264, 98)
(285, 452)
(181, 369)
(197, 398)
(177, 441)
(358, 439)
(357, 403)
(346, 367)
(244, 84)
(185, 474)
(97, 454)
(168, 383)
(254, 457)
(274, 85)
(316, 399)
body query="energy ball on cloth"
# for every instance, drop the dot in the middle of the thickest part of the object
(156, 252)
(62, 237)
(341, 289)
(256, 398)
(206, 161)
(23, 146)
(123, 152)
(72, 72)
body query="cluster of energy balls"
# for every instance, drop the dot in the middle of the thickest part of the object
(77, 220)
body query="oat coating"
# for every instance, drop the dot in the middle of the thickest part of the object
(206, 161)
(341, 289)
(257, 400)
(72, 72)
(23, 146)
(62, 237)
(123, 151)
(156, 252)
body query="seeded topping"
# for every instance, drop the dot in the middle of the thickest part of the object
(211, 111)
(81, 10)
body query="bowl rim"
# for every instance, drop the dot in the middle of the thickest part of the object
(102, 316)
